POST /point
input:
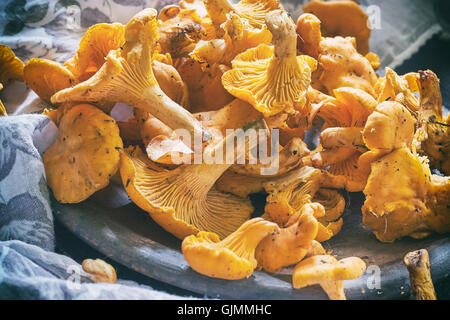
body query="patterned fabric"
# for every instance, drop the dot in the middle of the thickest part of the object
(25, 212)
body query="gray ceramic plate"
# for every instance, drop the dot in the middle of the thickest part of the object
(128, 235)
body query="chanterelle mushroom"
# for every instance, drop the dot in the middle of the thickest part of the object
(393, 87)
(127, 76)
(432, 137)
(254, 11)
(328, 272)
(288, 194)
(11, 67)
(418, 265)
(290, 244)
(232, 258)
(272, 79)
(46, 77)
(179, 34)
(343, 146)
(413, 202)
(2, 107)
(342, 18)
(339, 63)
(94, 47)
(85, 155)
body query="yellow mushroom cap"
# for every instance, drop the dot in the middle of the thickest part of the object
(239, 36)
(127, 76)
(398, 88)
(11, 67)
(233, 257)
(85, 155)
(2, 107)
(389, 127)
(344, 149)
(342, 18)
(253, 11)
(95, 45)
(328, 272)
(340, 65)
(412, 201)
(272, 79)
(308, 28)
(289, 193)
(46, 77)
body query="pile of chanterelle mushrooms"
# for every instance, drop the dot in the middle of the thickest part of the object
(210, 66)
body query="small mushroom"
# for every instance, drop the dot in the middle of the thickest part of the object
(418, 265)
(272, 79)
(85, 154)
(412, 201)
(342, 145)
(342, 18)
(393, 87)
(328, 272)
(253, 11)
(100, 270)
(288, 194)
(179, 35)
(206, 92)
(233, 258)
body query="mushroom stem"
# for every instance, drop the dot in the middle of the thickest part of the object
(418, 265)
(157, 103)
(284, 34)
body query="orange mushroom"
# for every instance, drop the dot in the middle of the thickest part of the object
(233, 258)
(289, 245)
(340, 64)
(85, 155)
(342, 18)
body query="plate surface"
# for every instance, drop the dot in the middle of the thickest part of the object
(129, 236)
